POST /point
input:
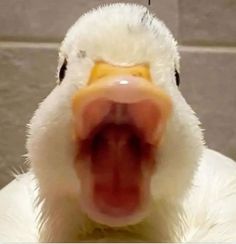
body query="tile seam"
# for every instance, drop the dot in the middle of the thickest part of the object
(56, 45)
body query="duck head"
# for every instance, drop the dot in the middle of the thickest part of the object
(115, 135)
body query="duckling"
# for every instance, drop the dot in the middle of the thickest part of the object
(115, 151)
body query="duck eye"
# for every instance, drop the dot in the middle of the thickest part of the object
(62, 71)
(177, 79)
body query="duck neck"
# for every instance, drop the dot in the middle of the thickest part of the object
(63, 221)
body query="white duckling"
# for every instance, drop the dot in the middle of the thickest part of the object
(116, 153)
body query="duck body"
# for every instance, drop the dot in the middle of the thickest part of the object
(115, 151)
(207, 212)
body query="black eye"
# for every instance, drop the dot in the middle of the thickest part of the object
(177, 79)
(62, 71)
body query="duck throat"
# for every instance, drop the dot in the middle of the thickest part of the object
(116, 172)
(116, 166)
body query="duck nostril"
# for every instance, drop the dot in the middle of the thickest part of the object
(138, 74)
(100, 76)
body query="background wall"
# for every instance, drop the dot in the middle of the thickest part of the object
(30, 32)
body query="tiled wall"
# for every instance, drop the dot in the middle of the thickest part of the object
(31, 30)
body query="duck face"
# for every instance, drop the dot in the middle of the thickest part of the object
(115, 134)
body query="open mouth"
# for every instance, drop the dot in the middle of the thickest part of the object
(119, 124)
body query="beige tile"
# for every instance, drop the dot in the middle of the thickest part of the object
(27, 75)
(209, 85)
(208, 22)
(48, 20)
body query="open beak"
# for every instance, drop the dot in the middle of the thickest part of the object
(131, 91)
(119, 119)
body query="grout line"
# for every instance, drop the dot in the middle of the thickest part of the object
(56, 45)
(47, 45)
(209, 49)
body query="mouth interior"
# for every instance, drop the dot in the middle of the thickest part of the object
(119, 155)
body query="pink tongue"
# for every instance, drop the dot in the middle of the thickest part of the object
(116, 169)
